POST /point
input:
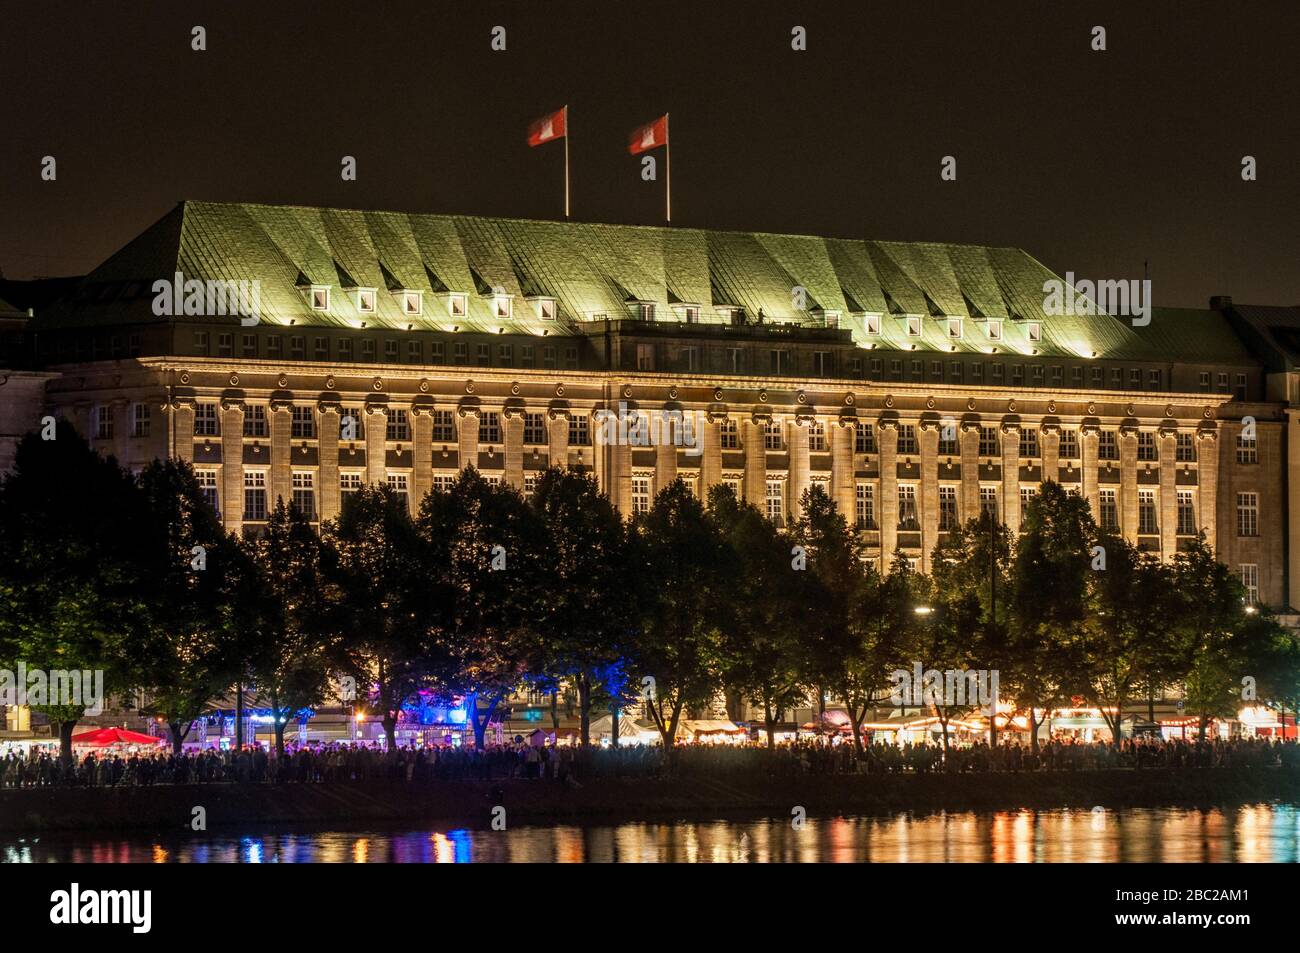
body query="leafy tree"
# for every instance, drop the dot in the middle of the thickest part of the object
(71, 590)
(1048, 601)
(290, 663)
(381, 594)
(763, 648)
(483, 545)
(683, 559)
(189, 561)
(581, 617)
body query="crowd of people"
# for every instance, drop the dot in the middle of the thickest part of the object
(360, 762)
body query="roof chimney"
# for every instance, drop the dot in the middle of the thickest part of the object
(1220, 302)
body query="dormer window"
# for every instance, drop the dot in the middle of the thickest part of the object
(995, 330)
(831, 318)
(871, 323)
(320, 297)
(692, 315)
(366, 300)
(412, 303)
(646, 311)
(1035, 332)
(457, 305)
(502, 306)
(954, 328)
(545, 308)
(913, 325)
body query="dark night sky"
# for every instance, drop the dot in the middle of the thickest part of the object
(1092, 162)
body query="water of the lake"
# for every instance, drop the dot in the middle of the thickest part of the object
(1261, 833)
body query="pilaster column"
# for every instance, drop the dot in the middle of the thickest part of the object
(280, 484)
(929, 501)
(513, 422)
(711, 460)
(665, 452)
(232, 464)
(843, 484)
(755, 460)
(1168, 441)
(467, 436)
(376, 416)
(970, 472)
(327, 441)
(1091, 492)
(1128, 484)
(421, 455)
(1207, 492)
(557, 438)
(1049, 441)
(797, 431)
(1011, 477)
(887, 441)
(182, 430)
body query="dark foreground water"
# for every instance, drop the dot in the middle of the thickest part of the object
(1263, 833)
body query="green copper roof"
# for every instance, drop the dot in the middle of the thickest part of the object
(601, 270)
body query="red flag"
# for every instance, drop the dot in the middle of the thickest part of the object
(650, 136)
(554, 126)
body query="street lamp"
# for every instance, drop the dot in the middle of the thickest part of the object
(922, 610)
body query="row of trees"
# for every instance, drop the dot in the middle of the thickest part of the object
(485, 591)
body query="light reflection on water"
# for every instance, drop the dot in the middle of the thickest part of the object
(1266, 833)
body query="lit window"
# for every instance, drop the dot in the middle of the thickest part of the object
(640, 494)
(1250, 580)
(954, 328)
(502, 306)
(774, 499)
(546, 309)
(1035, 332)
(208, 487)
(947, 508)
(366, 300)
(412, 303)
(871, 323)
(907, 516)
(914, 326)
(865, 501)
(320, 297)
(457, 305)
(1247, 514)
(995, 330)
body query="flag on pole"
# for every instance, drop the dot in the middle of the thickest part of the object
(548, 128)
(650, 136)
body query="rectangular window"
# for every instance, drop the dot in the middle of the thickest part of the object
(1247, 448)
(255, 421)
(345, 349)
(534, 428)
(640, 494)
(822, 364)
(1147, 524)
(729, 435)
(1027, 494)
(1185, 448)
(772, 435)
(208, 487)
(1147, 446)
(1107, 445)
(489, 428)
(1069, 445)
(579, 431)
(304, 493)
(774, 498)
(865, 501)
(1250, 580)
(104, 422)
(140, 420)
(1029, 443)
(483, 354)
(321, 347)
(349, 482)
(817, 437)
(908, 520)
(779, 362)
(954, 329)
(444, 426)
(390, 351)
(1247, 514)
(871, 323)
(645, 360)
(303, 426)
(399, 425)
(320, 297)
(530, 485)
(989, 445)
(907, 439)
(1109, 507)
(913, 326)
(989, 501)
(864, 438)
(412, 303)
(1239, 391)
(947, 508)
(443, 482)
(254, 494)
(400, 484)
(206, 421)
(1186, 513)
(948, 445)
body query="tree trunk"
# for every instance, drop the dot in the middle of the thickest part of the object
(65, 742)
(1033, 730)
(584, 709)
(179, 732)
(555, 710)
(279, 736)
(769, 722)
(390, 730)
(239, 715)
(614, 714)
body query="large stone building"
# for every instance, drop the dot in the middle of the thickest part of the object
(916, 382)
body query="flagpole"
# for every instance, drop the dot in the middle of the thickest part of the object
(566, 161)
(668, 170)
